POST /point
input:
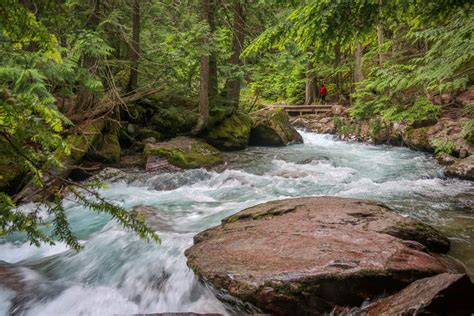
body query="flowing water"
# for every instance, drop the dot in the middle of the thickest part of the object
(117, 273)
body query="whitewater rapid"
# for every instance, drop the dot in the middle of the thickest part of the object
(117, 273)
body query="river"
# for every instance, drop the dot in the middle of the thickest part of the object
(117, 273)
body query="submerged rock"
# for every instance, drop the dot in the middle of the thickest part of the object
(153, 217)
(185, 153)
(444, 294)
(310, 255)
(232, 133)
(11, 277)
(271, 127)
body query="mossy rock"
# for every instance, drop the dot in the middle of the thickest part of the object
(146, 132)
(105, 149)
(271, 127)
(232, 133)
(379, 131)
(174, 121)
(185, 153)
(418, 138)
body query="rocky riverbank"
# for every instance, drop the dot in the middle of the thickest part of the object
(445, 136)
(310, 256)
(156, 139)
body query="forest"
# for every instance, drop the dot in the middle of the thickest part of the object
(157, 119)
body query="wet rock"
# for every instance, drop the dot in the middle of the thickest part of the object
(153, 217)
(105, 149)
(135, 160)
(462, 168)
(271, 127)
(159, 164)
(443, 294)
(309, 255)
(232, 133)
(185, 153)
(445, 159)
(11, 277)
(110, 174)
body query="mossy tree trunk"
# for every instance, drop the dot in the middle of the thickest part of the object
(86, 99)
(358, 73)
(213, 78)
(135, 47)
(203, 118)
(238, 37)
(310, 92)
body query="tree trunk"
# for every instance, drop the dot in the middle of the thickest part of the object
(337, 63)
(358, 74)
(233, 84)
(380, 37)
(310, 93)
(86, 98)
(204, 83)
(135, 47)
(213, 79)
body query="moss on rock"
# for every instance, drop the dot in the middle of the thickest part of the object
(271, 127)
(185, 152)
(105, 149)
(146, 132)
(174, 120)
(418, 138)
(232, 133)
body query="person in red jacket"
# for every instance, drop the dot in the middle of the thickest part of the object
(322, 93)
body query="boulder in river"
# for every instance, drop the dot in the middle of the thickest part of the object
(232, 133)
(153, 217)
(443, 294)
(11, 277)
(310, 255)
(185, 153)
(271, 127)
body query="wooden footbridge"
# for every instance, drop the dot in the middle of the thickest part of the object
(300, 109)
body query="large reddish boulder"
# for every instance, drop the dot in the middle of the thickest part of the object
(310, 255)
(444, 294)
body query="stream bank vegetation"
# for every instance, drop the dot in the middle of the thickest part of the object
(84, 82)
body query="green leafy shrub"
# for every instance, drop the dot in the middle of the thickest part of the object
(442, 145)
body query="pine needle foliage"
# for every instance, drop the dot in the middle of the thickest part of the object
(34, 68)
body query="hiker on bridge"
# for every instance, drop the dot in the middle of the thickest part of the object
(322, 93)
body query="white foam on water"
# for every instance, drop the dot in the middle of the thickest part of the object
(116, 272)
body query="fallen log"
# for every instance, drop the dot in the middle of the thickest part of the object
(106, 107)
